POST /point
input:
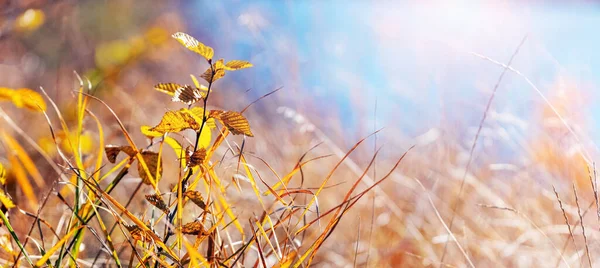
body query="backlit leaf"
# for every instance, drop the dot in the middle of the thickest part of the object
(198, 112)
(196, 197)
(6, 93)
(188, 95)
(237, 64)
(113, 150)
(234, 121)
(194, 45)
(193, 228)
(151, 159)
(158, 202)
(31, 99)
(149, 133)
(2, 174)
(175, 121)
(219, 71)
(168, 88)
(195, 158)
(30, 20)
(196, 83)
(6, 200)
(24, 98)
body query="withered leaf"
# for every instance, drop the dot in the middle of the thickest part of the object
(196, 197)
(138, 233)
(193, 228)
(175, 121)
(113, 150)
(151, 159)
(188, 95)
(158, 202)
(195, 158)
(194, 45)
(234, 121)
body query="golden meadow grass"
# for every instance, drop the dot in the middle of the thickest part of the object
(204, 186)
(160, 235)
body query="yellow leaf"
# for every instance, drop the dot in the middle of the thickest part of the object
(168, 88)
(205, 138)
(236, 65)
(30, 20)
(198, 113)
(219, 71)
(85, 141)
(149, 133)
(114, 53)
(6, 200)
(156, 35)
(192, 44)
(151, 159)
(234, 121)
(32, 100)
(196, 83)
(24, 97)
(2, 174)
(173, 143)
(6, 93)
(176, 121)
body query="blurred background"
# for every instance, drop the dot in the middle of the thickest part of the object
(423, 72)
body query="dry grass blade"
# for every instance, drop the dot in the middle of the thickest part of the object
(437, 213)
(564, 213)
(469, 161)
(585, 239)
(57, 246)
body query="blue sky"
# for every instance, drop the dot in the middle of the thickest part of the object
(413, 58)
